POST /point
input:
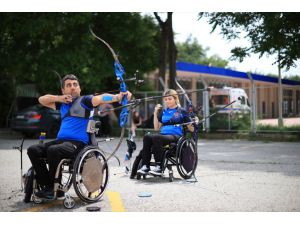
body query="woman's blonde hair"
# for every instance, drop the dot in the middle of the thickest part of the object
(174, 94)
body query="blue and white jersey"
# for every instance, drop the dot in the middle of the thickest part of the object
(169, 117)
(74, 128)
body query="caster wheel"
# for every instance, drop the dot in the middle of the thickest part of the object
(144, 177)
(138, 176)
(69, 203)
(36, 199)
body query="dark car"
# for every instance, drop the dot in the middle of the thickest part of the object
(35, 119)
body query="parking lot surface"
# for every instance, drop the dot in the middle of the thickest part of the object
(231, 176)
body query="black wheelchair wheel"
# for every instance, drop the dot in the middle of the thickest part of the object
(90, 174)
(187, 158)
(138, 163)
(136, 166)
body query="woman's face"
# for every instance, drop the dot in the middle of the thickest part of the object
(170, 102)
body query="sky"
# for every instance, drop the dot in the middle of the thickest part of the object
(185, 24)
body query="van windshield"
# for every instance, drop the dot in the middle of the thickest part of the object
(219, 99)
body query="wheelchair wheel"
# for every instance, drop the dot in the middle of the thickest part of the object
(187, 158)
(36, 199)
(90, 174)
(139, 163)
(69, 202)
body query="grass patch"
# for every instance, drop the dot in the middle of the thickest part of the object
(271, 128)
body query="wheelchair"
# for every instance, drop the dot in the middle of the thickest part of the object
(88, 173)
(182, 154)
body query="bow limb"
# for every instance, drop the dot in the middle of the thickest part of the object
(191, 111)
(107, 45)
(183, 91)
(119, 71)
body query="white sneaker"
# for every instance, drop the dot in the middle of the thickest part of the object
(156, 171)
(144, 170)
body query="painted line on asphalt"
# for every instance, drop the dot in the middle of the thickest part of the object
(114, 198)
(115, 201)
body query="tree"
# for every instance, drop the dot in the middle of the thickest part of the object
(191, 51)
(293, 77)
(167, 49)
(269, 33)
(35, 44)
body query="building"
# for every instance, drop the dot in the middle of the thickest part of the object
(193, 76)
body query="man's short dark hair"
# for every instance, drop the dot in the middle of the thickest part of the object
(68, 77)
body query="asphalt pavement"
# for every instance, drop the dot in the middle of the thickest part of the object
(232, 176)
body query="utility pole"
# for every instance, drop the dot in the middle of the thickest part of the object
(280, 119)
(205, 107)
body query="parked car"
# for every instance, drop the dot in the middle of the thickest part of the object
(35, 119)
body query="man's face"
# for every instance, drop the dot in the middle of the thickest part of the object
(71, 87)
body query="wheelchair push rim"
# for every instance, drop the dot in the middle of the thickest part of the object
(80, 187)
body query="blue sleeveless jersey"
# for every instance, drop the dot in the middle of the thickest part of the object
(170, 117)
(74, 128)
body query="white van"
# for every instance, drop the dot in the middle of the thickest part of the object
(221, 97)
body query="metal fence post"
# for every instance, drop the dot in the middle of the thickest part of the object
(253, 111)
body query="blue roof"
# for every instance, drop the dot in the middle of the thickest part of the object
(197, 68)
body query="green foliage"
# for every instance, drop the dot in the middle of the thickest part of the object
(237, 122)
(35, 44)
(269, 33)
(191, 51)
(294, 77)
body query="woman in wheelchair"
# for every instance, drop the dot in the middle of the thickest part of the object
(164, 121)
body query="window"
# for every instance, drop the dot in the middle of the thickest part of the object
(219, 99)
(243, 100)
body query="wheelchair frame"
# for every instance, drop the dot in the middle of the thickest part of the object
(173, 156)
(89, 183)
(71, 174)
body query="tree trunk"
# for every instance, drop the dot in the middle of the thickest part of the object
(167, 50)
(172, 53)
(163, 44)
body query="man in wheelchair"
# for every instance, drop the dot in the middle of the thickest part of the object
(164, 121)
(72, 137)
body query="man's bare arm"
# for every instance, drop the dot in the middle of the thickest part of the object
(49, 100)
(105, 98)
